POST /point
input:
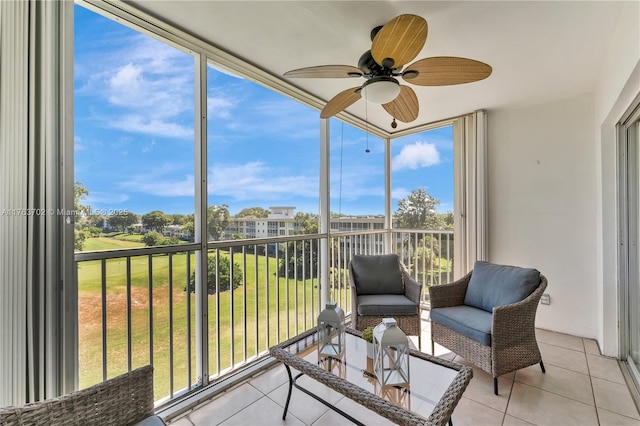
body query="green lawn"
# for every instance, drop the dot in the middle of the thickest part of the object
(106, 243)
(228, 342)
(238, 321)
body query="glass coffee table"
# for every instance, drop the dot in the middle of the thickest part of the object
(436, 385)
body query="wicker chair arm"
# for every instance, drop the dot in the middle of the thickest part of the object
(451, 294)
(515, 323)
(123, 400)
(354, 293)
(412, 288)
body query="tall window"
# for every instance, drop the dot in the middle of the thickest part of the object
(262, 158)
(134, 167)
(422, 188)
(134, 136)
(357, 178)
(422, 169)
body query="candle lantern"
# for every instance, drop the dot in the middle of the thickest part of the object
(391, 353)
(331, 330)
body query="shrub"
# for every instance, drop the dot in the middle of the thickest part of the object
(367, 334)
(152, 239)
(223, 269)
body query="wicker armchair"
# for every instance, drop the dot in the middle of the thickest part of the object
(123, 400)
(497, 340)
(381, 287)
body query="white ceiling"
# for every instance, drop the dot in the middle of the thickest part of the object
(539, 50)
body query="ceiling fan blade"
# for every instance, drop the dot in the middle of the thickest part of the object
(399, 41)
(325, 71)
(445, 71)
(340, 102)
(405, 107)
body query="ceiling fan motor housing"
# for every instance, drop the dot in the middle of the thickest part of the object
(371, 68)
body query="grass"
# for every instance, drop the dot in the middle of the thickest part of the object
(129, 237)
(241, 324)
(106, 243)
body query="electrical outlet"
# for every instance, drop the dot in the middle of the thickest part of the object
(545, 299)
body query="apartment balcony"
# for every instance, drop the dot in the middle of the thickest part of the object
(145, 305)
(545, 155)
(581, 387)
(140, 306)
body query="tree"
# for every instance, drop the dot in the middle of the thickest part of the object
(302, 256)
(80, 237)
(156, 220)
(178, 219)
(223, 271)
(122, 221)
(447, 219)
(152, 239)
(188, 228)
(80, 192)
(253, 212)
(418, 211)
(97, 220)
(217, 221)
(306, 223)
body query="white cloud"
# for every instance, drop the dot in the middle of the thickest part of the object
(105, 198)
(240, 181)
(162, 187)
(151, 126)
(149, 83)
(257, 180)
(399, 193)
(358, 182)
(220, 106)
(415, 156)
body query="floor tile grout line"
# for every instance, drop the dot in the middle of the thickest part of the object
(506, 407)
(563, 347)
(619, 414)
(593, 392)
(561, 396)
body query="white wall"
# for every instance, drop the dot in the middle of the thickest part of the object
(618, 84)
(543, 209)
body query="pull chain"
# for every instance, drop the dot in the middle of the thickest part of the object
(366, 122)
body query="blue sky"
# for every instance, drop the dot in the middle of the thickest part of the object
(134, 137)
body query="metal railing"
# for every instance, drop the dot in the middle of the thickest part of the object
(138, 306)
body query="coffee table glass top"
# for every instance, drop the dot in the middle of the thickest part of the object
(428, 380)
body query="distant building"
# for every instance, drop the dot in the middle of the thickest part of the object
(176, 231)
(281, 222)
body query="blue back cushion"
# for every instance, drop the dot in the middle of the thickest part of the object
(496, 285)
(377, 274)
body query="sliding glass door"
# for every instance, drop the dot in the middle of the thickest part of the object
(629, 182)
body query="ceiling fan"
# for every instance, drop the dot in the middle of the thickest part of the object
(393, 46)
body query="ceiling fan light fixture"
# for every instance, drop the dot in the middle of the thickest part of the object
(380, 90)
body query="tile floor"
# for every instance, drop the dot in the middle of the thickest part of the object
(581, 387)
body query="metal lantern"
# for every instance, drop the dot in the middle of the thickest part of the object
(336, 364)
(390, 353)
(331, 330)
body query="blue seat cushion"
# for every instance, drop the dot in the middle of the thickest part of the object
(151, 421)
(378, 274)
(494, 285)
(386, 305)
(469, 321)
